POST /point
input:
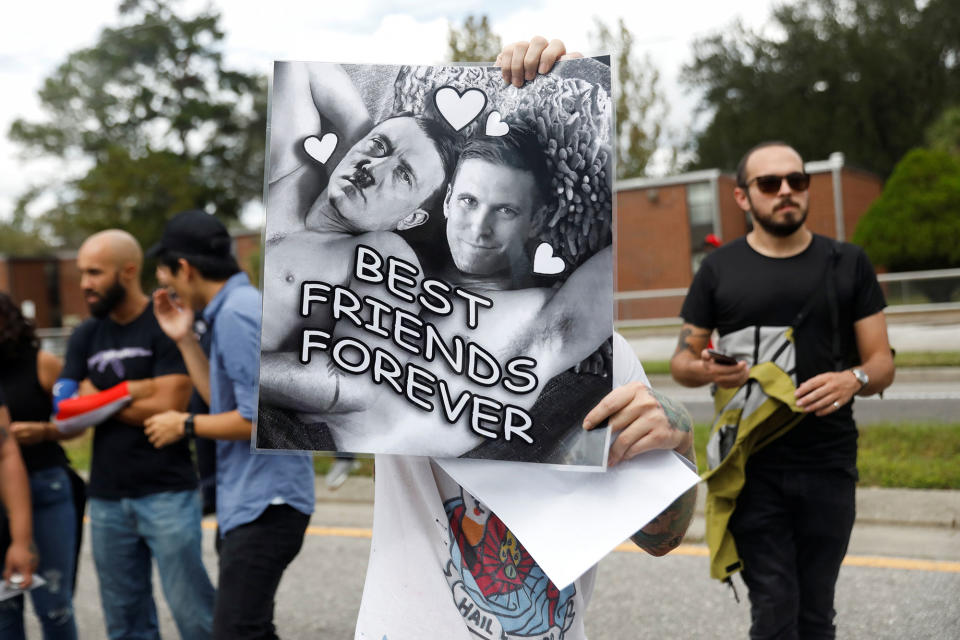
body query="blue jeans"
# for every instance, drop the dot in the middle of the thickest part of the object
(125, 534)
(54, 532)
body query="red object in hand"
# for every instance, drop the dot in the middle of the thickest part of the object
(76, 414)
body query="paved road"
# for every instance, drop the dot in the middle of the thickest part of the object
(637, 596)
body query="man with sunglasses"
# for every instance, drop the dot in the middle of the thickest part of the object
(793, 517)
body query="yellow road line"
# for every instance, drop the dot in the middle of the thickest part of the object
(341, 532)
(696, 550)
(902, 563)
(210, 524)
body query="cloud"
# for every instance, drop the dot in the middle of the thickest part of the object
(384, 31)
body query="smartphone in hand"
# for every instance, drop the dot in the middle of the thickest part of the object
(721, 358)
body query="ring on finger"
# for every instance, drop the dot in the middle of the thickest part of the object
(836, 405)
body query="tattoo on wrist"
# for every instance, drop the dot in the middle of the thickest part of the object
(677, 414)
(683, 344)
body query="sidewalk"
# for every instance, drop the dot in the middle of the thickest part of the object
(659, 343)
(903, 523)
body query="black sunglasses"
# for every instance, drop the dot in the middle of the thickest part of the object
(797, 180)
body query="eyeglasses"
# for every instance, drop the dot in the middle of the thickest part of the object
(797, 181)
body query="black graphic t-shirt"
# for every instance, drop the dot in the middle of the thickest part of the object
(125, 464)
(737, 287)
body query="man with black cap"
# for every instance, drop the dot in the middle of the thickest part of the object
(264, 502)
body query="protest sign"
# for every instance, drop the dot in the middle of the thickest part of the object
(437, 271)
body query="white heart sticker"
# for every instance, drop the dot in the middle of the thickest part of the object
(459, 109)
(545, 262)
(496, 126)
(320, 149)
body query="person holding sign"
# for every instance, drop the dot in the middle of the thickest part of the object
(442, 565)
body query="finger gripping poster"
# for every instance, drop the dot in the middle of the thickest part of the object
(437, 263)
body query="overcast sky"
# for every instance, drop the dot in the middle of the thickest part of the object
(35, 35)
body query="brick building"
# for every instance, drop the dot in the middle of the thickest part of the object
(661, 224)
(48, 287)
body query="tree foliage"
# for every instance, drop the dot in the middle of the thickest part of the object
(163, 124)
(944, 133)
(915, 223)
(641, 108)
(474, 42)
(21, 236)
(865, 77)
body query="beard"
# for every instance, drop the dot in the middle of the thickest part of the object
(108, 301)
(781, 229)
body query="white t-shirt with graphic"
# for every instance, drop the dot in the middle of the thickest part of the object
(442, 566)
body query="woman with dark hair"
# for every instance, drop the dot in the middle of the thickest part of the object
(27, 376)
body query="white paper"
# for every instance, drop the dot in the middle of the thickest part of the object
(8, 591)
(569, 521)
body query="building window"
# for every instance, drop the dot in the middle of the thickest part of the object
(702, 215)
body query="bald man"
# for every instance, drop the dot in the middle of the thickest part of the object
(144, 503)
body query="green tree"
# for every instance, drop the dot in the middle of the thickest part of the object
(162, 122)
(475, 42)
(944, 133)
(21, 235)
(641, 108)
(865, 77)
(915, 223)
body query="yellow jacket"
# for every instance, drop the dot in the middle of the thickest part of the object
(748, 418)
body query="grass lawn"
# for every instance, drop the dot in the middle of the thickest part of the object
(79, 449)
(927, 359)
(917, 455)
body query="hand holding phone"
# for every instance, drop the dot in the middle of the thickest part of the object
(721, 358)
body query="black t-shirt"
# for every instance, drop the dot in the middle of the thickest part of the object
(737, 287)
(125, 464)
(28, 401)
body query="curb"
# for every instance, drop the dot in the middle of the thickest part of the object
(939, 508)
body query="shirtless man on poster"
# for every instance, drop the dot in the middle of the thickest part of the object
(490, 206)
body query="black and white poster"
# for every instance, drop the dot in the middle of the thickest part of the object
(437, 262)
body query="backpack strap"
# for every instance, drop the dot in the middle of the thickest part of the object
(829, 278)
(833, 303)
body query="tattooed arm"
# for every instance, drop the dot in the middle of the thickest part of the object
(692, 366)
(642, 419)
(666, 531)
(15, 494)
(686, 364)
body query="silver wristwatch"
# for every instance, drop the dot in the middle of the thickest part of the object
(861, 376)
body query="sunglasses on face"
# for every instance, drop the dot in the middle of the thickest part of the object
(797, 181)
